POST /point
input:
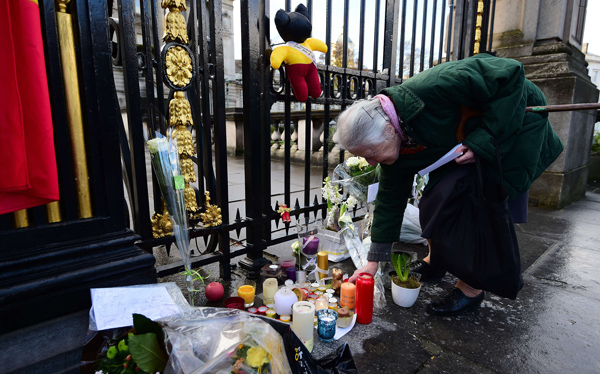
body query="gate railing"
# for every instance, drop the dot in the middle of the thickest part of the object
(396, 39)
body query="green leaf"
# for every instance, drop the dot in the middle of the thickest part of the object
(144, 325)
(146, 353)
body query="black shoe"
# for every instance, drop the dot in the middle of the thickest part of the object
(429, 272)
(454, 302)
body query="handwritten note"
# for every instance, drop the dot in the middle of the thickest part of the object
(113, 307)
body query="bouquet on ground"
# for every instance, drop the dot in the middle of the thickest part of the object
(165, 161)
(355, 175)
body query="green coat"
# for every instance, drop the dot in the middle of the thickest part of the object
(428, 104)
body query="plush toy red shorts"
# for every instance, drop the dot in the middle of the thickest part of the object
(305, 80)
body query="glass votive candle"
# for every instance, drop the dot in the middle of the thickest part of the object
(291, 273)
(321, 303)
(246, 290)
(300, 276)
(327, 320)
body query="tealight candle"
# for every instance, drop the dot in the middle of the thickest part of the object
(321, 303)
(270, 313)
(284, 299)
(285, 318)
(262, 310)
(314, 287)
(252, 310)
(303, 325)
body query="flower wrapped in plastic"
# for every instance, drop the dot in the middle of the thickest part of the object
(165, 162)
(355, 175)
(223, 341)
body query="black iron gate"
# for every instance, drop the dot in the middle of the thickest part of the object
(399, 37)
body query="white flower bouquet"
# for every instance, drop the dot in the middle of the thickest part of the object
(355, 175)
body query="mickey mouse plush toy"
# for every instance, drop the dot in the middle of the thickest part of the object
(301, 67)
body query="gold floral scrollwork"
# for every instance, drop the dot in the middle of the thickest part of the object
(190, 200)
(161, 224)
(212, 214)
(179, 66)
(185, 144)
(177, 4)
(175, 27)
(187, 169)
(180, 112)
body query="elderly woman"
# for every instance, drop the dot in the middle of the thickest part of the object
(410, 126)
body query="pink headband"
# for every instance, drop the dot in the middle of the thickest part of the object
(390, 110)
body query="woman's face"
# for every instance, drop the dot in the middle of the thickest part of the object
(382, 153)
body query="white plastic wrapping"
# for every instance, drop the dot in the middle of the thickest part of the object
(211, 340)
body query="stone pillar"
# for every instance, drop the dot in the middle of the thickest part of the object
(545, 35)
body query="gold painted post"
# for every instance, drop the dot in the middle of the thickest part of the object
(21, 220)
(478, 26)
(75, 117)
(53, 212)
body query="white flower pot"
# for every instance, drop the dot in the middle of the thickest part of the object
(405, 297)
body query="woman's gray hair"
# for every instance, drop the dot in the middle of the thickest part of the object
(361, 124)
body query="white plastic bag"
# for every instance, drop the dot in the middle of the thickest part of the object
(411, 227)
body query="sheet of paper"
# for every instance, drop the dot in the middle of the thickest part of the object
(372, 192)
(451, 155)
(113, 307)
(341, 332)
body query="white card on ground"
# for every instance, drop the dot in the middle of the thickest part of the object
(372, 192)
(113, 307)
(341, 332)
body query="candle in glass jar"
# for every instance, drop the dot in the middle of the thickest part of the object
(310, 245)
(348, 291)
(321, 303)
(365, 287)
(303, 322)
(269, 289)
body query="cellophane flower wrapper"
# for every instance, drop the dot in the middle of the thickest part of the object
(165, 162)
(355, 181)
(223, 341)
(358, 254)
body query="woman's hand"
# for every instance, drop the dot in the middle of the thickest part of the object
(467, 155)
(370, 268)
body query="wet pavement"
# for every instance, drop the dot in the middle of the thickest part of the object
(552, 327)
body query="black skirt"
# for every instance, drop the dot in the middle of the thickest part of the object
(435, 198)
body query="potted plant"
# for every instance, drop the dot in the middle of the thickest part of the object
(405, 287)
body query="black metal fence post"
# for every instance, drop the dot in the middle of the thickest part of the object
(253, 62)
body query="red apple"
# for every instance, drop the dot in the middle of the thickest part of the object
(214, 291)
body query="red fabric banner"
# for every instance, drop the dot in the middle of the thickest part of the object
(28, 175)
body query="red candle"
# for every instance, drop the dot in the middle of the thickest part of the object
(365, 288)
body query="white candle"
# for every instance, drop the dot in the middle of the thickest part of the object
(284, 299)
(303, 322)
(321, 303)
(269, 289)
